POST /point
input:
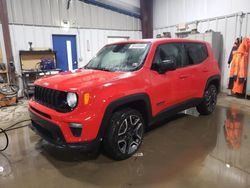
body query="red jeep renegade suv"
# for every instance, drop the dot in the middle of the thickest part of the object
(124, 89)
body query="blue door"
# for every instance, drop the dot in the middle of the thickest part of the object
(66, 55)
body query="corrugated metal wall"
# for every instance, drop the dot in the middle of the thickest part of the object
(230, 26)
(80, 14)
(2, 44)
(169, 12)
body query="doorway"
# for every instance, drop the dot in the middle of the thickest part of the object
(66, 53)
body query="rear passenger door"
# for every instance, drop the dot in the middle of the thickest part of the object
(197, 64)
(187, 75)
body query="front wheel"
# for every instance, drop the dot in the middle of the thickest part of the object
(209, 101)
(124, 134)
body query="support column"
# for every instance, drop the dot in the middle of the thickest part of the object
(147, 18)
(6, 33)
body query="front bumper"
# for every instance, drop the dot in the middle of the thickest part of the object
(53, 134)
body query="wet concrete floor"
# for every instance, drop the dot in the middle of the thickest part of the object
(184, 151)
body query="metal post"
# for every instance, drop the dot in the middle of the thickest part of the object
(6, 35)
(147, 18)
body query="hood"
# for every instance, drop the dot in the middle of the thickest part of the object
(68, 81)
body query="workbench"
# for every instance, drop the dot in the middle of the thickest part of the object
(29, 77)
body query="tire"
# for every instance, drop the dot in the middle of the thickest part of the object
(209, 101)
(124, 134)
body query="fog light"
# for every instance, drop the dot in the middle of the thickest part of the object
(76, 129)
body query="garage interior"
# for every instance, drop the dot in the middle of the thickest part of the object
(45, 37)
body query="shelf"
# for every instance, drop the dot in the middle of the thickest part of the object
(3, 72)
(36, 52)
(32, 59)
(40, 71)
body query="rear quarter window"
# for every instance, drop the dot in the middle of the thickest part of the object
(196, 53)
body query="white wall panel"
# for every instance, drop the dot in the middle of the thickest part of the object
(27, 11)
(169, 12)
(55, 14)
(2, 44)
(71, 13)
(37, 12)
(16, 10)
(43, 17)
(79, 14)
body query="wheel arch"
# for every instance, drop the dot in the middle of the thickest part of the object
(140, 102)
(215, 80)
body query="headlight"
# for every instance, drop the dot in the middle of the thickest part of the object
(72, 100)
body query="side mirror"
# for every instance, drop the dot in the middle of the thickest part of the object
(167, 65)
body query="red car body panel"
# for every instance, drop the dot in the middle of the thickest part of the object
(171, 88)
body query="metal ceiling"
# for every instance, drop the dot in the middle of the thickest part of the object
(117, 6)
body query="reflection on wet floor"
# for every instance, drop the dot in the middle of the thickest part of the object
(186, 150)
(233, 127)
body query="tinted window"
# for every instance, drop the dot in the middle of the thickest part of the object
(169, 51)
(196, 53)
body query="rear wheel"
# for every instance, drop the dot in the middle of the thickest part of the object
(124, 134)
(208, 104)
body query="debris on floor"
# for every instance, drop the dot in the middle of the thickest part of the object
(13, 114)
(138, 155)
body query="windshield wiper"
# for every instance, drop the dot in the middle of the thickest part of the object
(98, 68)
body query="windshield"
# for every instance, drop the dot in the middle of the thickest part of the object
(120, 57)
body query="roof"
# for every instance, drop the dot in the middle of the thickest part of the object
(160, 40)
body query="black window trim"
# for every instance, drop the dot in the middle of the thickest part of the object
(194, 42)
(183, 46)
(158, 48)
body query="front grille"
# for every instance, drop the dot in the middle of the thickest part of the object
(48, 130)
(52, 98)
(53, 135)
(41, 113)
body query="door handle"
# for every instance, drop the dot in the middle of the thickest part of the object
(184, 76)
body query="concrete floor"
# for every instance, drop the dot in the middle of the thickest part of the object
(184, 151)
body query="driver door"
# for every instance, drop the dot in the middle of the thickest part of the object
(166, 90)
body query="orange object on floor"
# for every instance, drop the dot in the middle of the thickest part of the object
(7, 101)
(8, 95)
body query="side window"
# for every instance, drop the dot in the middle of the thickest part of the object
(169, 51)
(196, 53)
